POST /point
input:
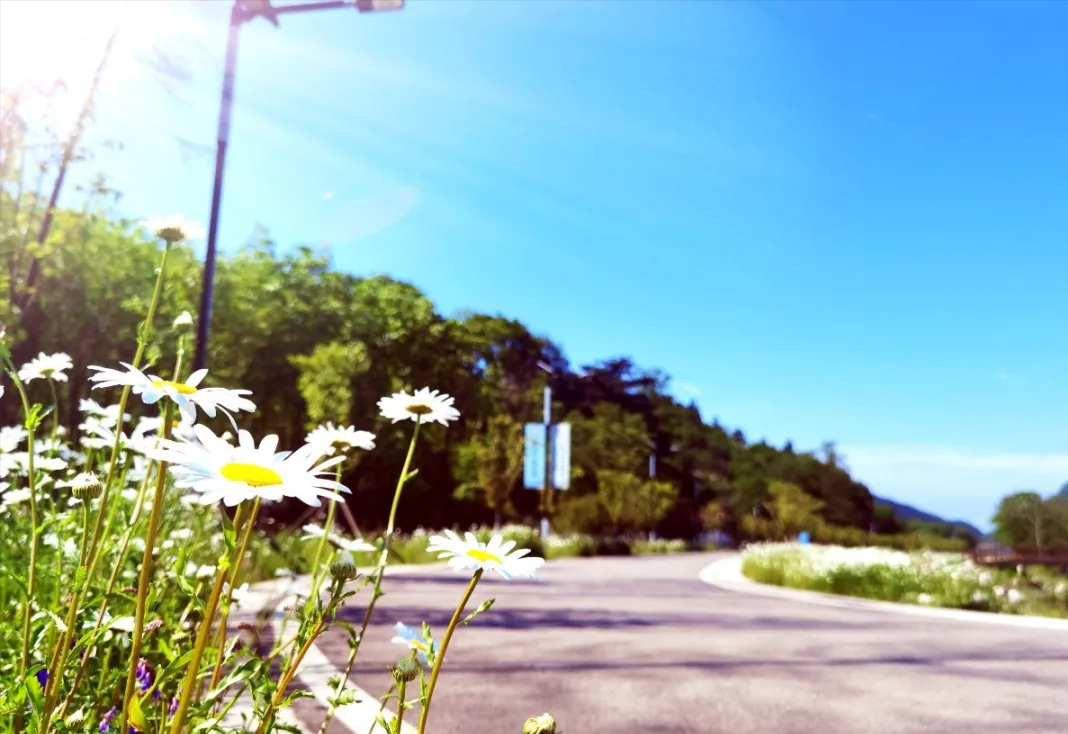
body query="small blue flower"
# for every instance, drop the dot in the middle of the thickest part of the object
(174, 707)
(42, 677)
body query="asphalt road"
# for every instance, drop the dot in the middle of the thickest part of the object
(641, 646)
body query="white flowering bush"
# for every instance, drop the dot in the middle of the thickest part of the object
(125, 550)
(922, 577)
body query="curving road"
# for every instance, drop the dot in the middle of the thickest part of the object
(642, 646)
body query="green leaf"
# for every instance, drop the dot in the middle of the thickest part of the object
(245, 670)
(178, 663)
(136, 715)
(59, 622)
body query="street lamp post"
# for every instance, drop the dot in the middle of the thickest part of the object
(241, 12)
(547, 487)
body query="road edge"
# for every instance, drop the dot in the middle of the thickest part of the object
(266, 600)
(726, 573)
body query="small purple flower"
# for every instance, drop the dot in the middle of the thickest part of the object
(42, 677)
(145, 678)
(174, 707)
(105, 722)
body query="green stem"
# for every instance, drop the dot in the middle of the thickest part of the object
(85, 533)
(317, 574)
(287, 677)
(94, 554)
(379, 572)
(145, 582)
(185, 698)
(220, 640)
(402, 687)
(31, 585)
(440, 657)
(55, 410)
(118, 566)
(142, 343)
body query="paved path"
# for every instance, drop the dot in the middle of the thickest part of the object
(642, 646)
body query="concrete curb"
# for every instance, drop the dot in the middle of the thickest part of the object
(726, 574)
(266, 599)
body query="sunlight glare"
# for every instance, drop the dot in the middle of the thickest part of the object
(48, 41)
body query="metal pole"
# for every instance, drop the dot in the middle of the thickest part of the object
(207, 291)
(652, 466)
(546, 491)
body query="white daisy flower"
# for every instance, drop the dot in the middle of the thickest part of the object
(147, 428)
(337, 438)
(186, 395)
(11, 437)
(220, 471)
(425, 405)
(352, 545)
(43, 463)
(15, 497)
(413, 640)
(46, 367)
(174, 228)
(468, 554)
(355, 545)
(313, 532)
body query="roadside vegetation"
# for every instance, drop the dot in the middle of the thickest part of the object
(948, 580)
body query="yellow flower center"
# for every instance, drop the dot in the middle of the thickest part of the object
(251, 474)
(418, 645)
(181, 387)
(483, 556)
(420, 409)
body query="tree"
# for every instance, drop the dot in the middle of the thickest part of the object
(326, 379)
(1025, 519)
(791, 508)
(652, 503)
(496, 460)
(617, 491)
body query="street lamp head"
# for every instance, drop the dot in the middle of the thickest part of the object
(547, 368)
(378, 6)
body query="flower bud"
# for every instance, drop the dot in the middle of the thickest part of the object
(86, 486)
(184, 322)
(544, 724)
(344, 568)
(406, 670)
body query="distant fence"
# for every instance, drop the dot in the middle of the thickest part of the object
(1056, 557)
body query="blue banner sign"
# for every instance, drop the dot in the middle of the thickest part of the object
(560, 450)
(534, 456)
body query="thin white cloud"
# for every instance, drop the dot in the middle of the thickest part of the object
(328, 195)
(953, 482)
(689, 389)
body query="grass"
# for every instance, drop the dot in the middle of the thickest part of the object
(946, 580)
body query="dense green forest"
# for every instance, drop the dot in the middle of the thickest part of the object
(314, 344)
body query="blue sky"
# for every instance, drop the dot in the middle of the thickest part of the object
(827, 221)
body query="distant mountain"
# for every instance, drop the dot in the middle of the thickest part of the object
(1063, 491)
(908, 512)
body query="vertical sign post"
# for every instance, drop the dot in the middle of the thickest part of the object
(547, 488)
